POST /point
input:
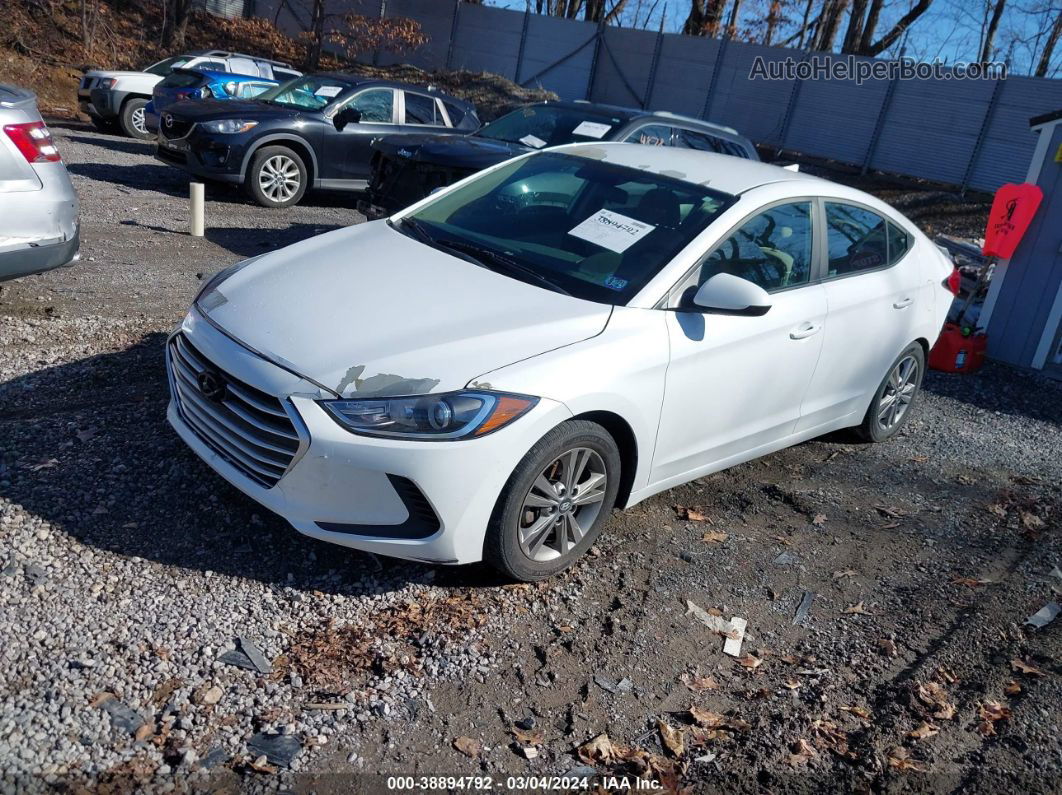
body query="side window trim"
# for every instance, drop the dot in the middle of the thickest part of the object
(824, 200)
(675, 291)
(440, 108)
(422, 96)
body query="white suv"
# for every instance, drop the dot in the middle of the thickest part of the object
(117, 99)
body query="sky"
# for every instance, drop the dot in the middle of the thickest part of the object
(950, 30)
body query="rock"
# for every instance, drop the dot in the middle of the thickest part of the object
(212, 695)
(254, 655)
(279, 749)
(123, 717)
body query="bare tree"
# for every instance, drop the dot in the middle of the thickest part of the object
(175, 22)
(704, 18)
(990, 31)
(828, 25)
(774, 17)
(854, 32)
(1044, 64)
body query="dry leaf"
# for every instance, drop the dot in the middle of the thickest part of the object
(998, 510)
(468, 746)
(924, 731)
(859, 712)
(971, 582)
(145, 731)
(793, 684)
(698, 683)
(985, 728)
(672, 738)
(690, 514)
(858, 609)
(945, 712)
(599, 749)
(946, 676)
(993, 711)
(261, 765)
(803, 752)
(707, 719)
(820, 519)
(839, 575)
(887, 647)
(714, 537)
(749, 661)
(101, 697)
(1023, 667)
(892, 513)
(934, 696)
(1012, 688)
(1031, 521)
(531, 737)
(45, 463)
(783, 540)
(900, 759)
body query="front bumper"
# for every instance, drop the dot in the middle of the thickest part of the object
(103, 103)
(214, 159)
(359, 491)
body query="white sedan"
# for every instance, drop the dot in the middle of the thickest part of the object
(487, 374)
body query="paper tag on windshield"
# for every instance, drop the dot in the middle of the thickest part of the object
(611, 230)
(533, 141)
(328, 91)
(592, 129)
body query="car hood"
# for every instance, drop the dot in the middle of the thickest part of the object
(204, 109)
(118, 73)
(367, 311)
(462, 151)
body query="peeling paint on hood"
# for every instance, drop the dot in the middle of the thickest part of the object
(372, 312)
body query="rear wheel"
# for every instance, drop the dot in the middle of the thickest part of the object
(895, 398)
(277, 177)
(555, 502)
(132, 119)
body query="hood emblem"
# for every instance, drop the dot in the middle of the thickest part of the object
(405, 153)
(211, 385)
(167, 119)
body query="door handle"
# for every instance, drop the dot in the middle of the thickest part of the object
(805, 330)
(903, 303)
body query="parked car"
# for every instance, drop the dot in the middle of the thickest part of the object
(38, 206)
(116, 100)
(487, 373)
(191, 84)
(313, 131)
(405, 170)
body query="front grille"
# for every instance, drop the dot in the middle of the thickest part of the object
(86, 82)
(173, 128)
(247, 427)
(179, 158)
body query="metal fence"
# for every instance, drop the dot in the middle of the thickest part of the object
(968, 133)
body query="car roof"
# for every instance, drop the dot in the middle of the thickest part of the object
(355, 81)
(228, 76)
(725, 173)
(230, 54)
(630, 114)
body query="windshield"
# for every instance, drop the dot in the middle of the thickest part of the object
(539, 126)
(167, 65)
(308, 93)
(591, 229)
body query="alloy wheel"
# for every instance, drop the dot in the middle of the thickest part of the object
(562, 504)
(279, 178)
(898, 392)
(138, 121)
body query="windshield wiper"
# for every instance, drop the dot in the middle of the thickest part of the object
(418, 229)
(498, 261)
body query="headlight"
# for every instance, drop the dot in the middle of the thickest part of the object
(107, 82)
(451, 415)
(229, 126)
(208, 297)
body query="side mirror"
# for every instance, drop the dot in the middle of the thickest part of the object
(345, 117)
(230, 88)
(726, 294)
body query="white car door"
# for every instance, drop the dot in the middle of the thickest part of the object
(735, 383)
(873, 293)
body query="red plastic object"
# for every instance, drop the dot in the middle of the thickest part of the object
(954, 282)
(34, 140)
(1013, 209)
(955, 353)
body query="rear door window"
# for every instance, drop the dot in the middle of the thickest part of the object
(855, 240)
(899, 243)
(650, 135)
(455, 112)
(422, 110)
(704, 142)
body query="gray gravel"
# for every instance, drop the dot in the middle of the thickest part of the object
(127, 568)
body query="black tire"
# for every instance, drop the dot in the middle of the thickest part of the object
(133, 115)
(874, 428)
(104, 125)
(502, 548)
(267, 161)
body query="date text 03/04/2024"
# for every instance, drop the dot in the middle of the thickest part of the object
(403, 784)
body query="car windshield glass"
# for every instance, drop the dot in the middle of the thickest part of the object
(167, 65)
(538, 126)
(310, 93)
(591, 229)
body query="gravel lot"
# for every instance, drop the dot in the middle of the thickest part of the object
(138, 591)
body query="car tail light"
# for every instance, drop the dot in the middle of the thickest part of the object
(954, 281)
(34, 140)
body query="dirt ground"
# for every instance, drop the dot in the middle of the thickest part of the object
(917, 562)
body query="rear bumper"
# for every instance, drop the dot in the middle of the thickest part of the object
(26, 260)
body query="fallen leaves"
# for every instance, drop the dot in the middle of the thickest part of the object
(690, 514)
(820, 519)
(858, 609)
(935, 697)
(1031, 521)
(802, 753)
(923, 731)
(714, 537)
(529, 736)
(887, 646)
(860, 712)
(749, 661)
(1025, 668)
(698, 683)
(468, 746)
(990, 713)
(598, 750)
(44, 463)
(972, 582)
(900, 759)
(830, 737)
(1012, 688)
(840, 575)
(673, 739)
(707, 719)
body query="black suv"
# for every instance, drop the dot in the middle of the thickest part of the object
(313, 131)
(408, 168)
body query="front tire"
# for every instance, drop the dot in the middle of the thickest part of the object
(277, 177)
(896, 396)
(554, 504)
(132, 119)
